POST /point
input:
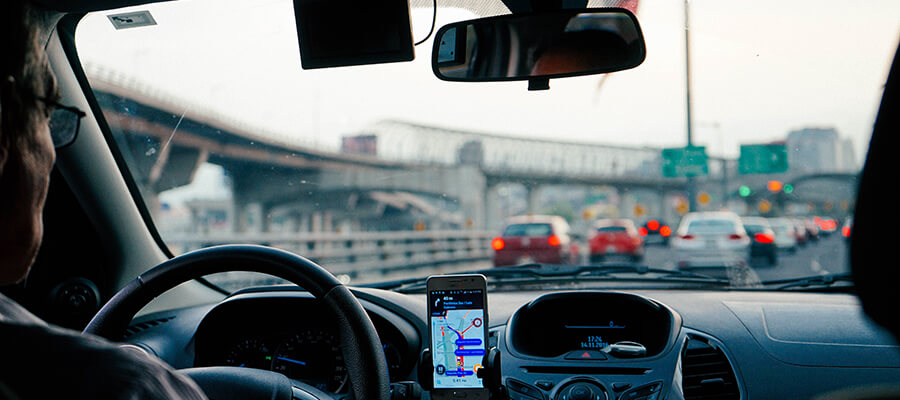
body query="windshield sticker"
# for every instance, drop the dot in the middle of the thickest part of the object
(132, 19)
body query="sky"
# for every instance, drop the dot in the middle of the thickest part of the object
(760, 68)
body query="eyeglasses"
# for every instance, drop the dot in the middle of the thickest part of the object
(64, 122)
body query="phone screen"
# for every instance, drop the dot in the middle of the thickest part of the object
(457, 337)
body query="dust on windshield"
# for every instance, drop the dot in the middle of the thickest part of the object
(384, 172)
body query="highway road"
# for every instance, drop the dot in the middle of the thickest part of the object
(827, 255)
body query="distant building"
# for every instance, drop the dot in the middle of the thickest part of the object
(848, 156)
(363, 144)
(819, 150)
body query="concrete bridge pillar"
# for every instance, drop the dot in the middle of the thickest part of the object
(470, 186)
(251, 218)
(492, 217)
(534, 198)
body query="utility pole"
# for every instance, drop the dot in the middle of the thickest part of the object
(691, 185)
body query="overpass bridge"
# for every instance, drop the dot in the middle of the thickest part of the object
(290, 185)
(166, 140)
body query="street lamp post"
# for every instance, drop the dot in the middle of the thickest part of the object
(691, 184)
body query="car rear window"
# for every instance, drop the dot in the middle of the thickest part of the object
(754, 227)
(527, 230)
(712, 226)
(611, 229)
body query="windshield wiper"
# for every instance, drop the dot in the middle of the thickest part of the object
(543, 272)
(807, 281)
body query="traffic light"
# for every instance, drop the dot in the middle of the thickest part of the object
(774, 186)
(788, 188)
(744, 191)
(704, 198)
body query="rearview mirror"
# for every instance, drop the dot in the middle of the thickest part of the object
(538, 46)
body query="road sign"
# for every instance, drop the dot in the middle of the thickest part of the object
(763, 159)
(684, 161)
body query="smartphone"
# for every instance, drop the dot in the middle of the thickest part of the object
(458, 326)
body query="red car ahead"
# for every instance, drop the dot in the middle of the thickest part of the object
(534, 239)
(615, 237)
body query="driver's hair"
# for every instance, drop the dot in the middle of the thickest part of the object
(24, 72)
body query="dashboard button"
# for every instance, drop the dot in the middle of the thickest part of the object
(646, 392)
(620, 386)
(580, 392)
(528, 390)
(514, 395)
(585, 355)
(546, 385)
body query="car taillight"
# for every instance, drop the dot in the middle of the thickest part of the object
(687, 237)
(553, 240)
(764, 238)
(498, 244)
(653, 225)
(735, 236)
(642, 231)
(846, 231)
(665, 231)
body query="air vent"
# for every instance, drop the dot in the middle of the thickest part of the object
(706, 372)
(142, 326)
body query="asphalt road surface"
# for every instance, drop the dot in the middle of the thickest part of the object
(827, 255)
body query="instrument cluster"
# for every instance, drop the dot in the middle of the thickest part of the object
(293, 336)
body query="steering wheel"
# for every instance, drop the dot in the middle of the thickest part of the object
(359, 343)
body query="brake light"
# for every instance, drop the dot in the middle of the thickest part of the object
(846, 231)
(553, 240)
(665, 231)
(735, 236)
(498, 244)
(642, 231)
(653, 225)
(687, 237)
(764, 238)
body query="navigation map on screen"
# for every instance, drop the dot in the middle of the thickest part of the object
(457, 332)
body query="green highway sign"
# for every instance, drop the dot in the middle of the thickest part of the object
(684, 161)
(763, 159)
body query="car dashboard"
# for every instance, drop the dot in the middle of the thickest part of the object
(560, 345)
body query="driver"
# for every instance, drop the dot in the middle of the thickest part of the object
(38, 360)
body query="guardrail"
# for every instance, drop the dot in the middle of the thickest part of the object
(354, 253)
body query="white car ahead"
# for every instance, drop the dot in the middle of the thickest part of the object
(785, 234)
(711, 239)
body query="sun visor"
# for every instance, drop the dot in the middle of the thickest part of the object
(338, 33)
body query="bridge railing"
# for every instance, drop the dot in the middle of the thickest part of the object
(363, 252)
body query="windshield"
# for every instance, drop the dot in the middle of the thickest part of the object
(384, 172)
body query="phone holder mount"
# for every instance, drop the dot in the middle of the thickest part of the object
(489, 373)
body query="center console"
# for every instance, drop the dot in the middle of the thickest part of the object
(591, 346)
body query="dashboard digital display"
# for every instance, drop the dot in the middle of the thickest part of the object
(555, 325)
(596, 336)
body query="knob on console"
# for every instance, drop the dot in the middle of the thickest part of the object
(581, 391)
